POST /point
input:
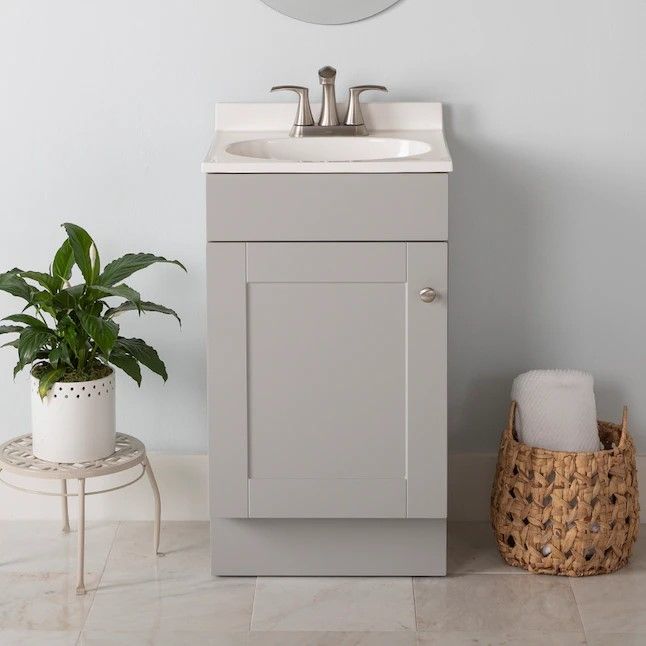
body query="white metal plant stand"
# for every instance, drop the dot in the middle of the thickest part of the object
(16, 456)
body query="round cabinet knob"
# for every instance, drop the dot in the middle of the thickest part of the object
(428, 294)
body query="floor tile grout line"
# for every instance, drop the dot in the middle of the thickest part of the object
(105, 565)
(412, 582)
(526, 574)
(578, 610)
(253, 603)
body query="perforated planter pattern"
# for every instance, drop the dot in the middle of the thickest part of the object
(571, 514)
(75, 422)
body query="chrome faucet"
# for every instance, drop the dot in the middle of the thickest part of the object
(329, 116)
(328, 123)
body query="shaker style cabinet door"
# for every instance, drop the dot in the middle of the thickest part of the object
(327, 379)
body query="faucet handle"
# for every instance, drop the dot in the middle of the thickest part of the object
(353, 116)
(303, 111)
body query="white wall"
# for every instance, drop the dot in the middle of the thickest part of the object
(106, 110)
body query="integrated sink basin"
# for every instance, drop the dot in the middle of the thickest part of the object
(254, 138)
(329, 149)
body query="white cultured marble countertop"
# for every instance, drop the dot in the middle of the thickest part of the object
(416, 123)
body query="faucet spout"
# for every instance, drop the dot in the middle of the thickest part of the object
(329, 116)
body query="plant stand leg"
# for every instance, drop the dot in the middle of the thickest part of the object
(155, 488)
(66, 516)
(80, 583)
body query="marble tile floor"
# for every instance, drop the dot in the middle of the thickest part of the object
(134, 598)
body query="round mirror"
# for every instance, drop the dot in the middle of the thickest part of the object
(330, 12)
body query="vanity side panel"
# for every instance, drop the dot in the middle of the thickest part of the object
(327, 207)
(227, 379)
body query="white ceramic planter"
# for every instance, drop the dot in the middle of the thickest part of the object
(75, 422)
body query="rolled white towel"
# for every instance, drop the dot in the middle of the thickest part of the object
(556, 410)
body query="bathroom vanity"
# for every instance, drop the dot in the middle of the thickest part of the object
(327, 335)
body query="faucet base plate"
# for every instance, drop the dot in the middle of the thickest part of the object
(328, 131)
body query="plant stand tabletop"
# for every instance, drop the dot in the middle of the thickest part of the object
(16, 456)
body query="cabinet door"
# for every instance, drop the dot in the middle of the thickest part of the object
(327, 380)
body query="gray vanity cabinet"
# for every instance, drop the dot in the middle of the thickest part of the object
(327, 369)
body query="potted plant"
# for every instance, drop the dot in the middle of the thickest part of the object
(72, 342)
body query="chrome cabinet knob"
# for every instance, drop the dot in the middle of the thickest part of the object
(428, 294)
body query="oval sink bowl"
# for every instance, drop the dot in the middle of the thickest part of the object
(329, 149)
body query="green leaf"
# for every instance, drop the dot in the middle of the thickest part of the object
(68, 329)
(48, 379)
(15, 285)
(8, 329)
(11, 344)
(127, 265)
(59, 356)
(127, 363)
(55, 356)
(81, 243)
(97, 307)
(120, 290)
(144, 306)
(32, 340)
(27, 320)
(17, 368)
(45, 280)
(67, 299)
(143, 353)
(43, 300)
(63, 263)
(65, 354)
(103, 331)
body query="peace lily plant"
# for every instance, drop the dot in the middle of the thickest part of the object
(68, 335)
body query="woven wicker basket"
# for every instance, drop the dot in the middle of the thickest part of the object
(572, 514)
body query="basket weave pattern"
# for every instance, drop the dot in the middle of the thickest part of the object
(571, 514)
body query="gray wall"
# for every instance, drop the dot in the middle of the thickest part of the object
(106, 111)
